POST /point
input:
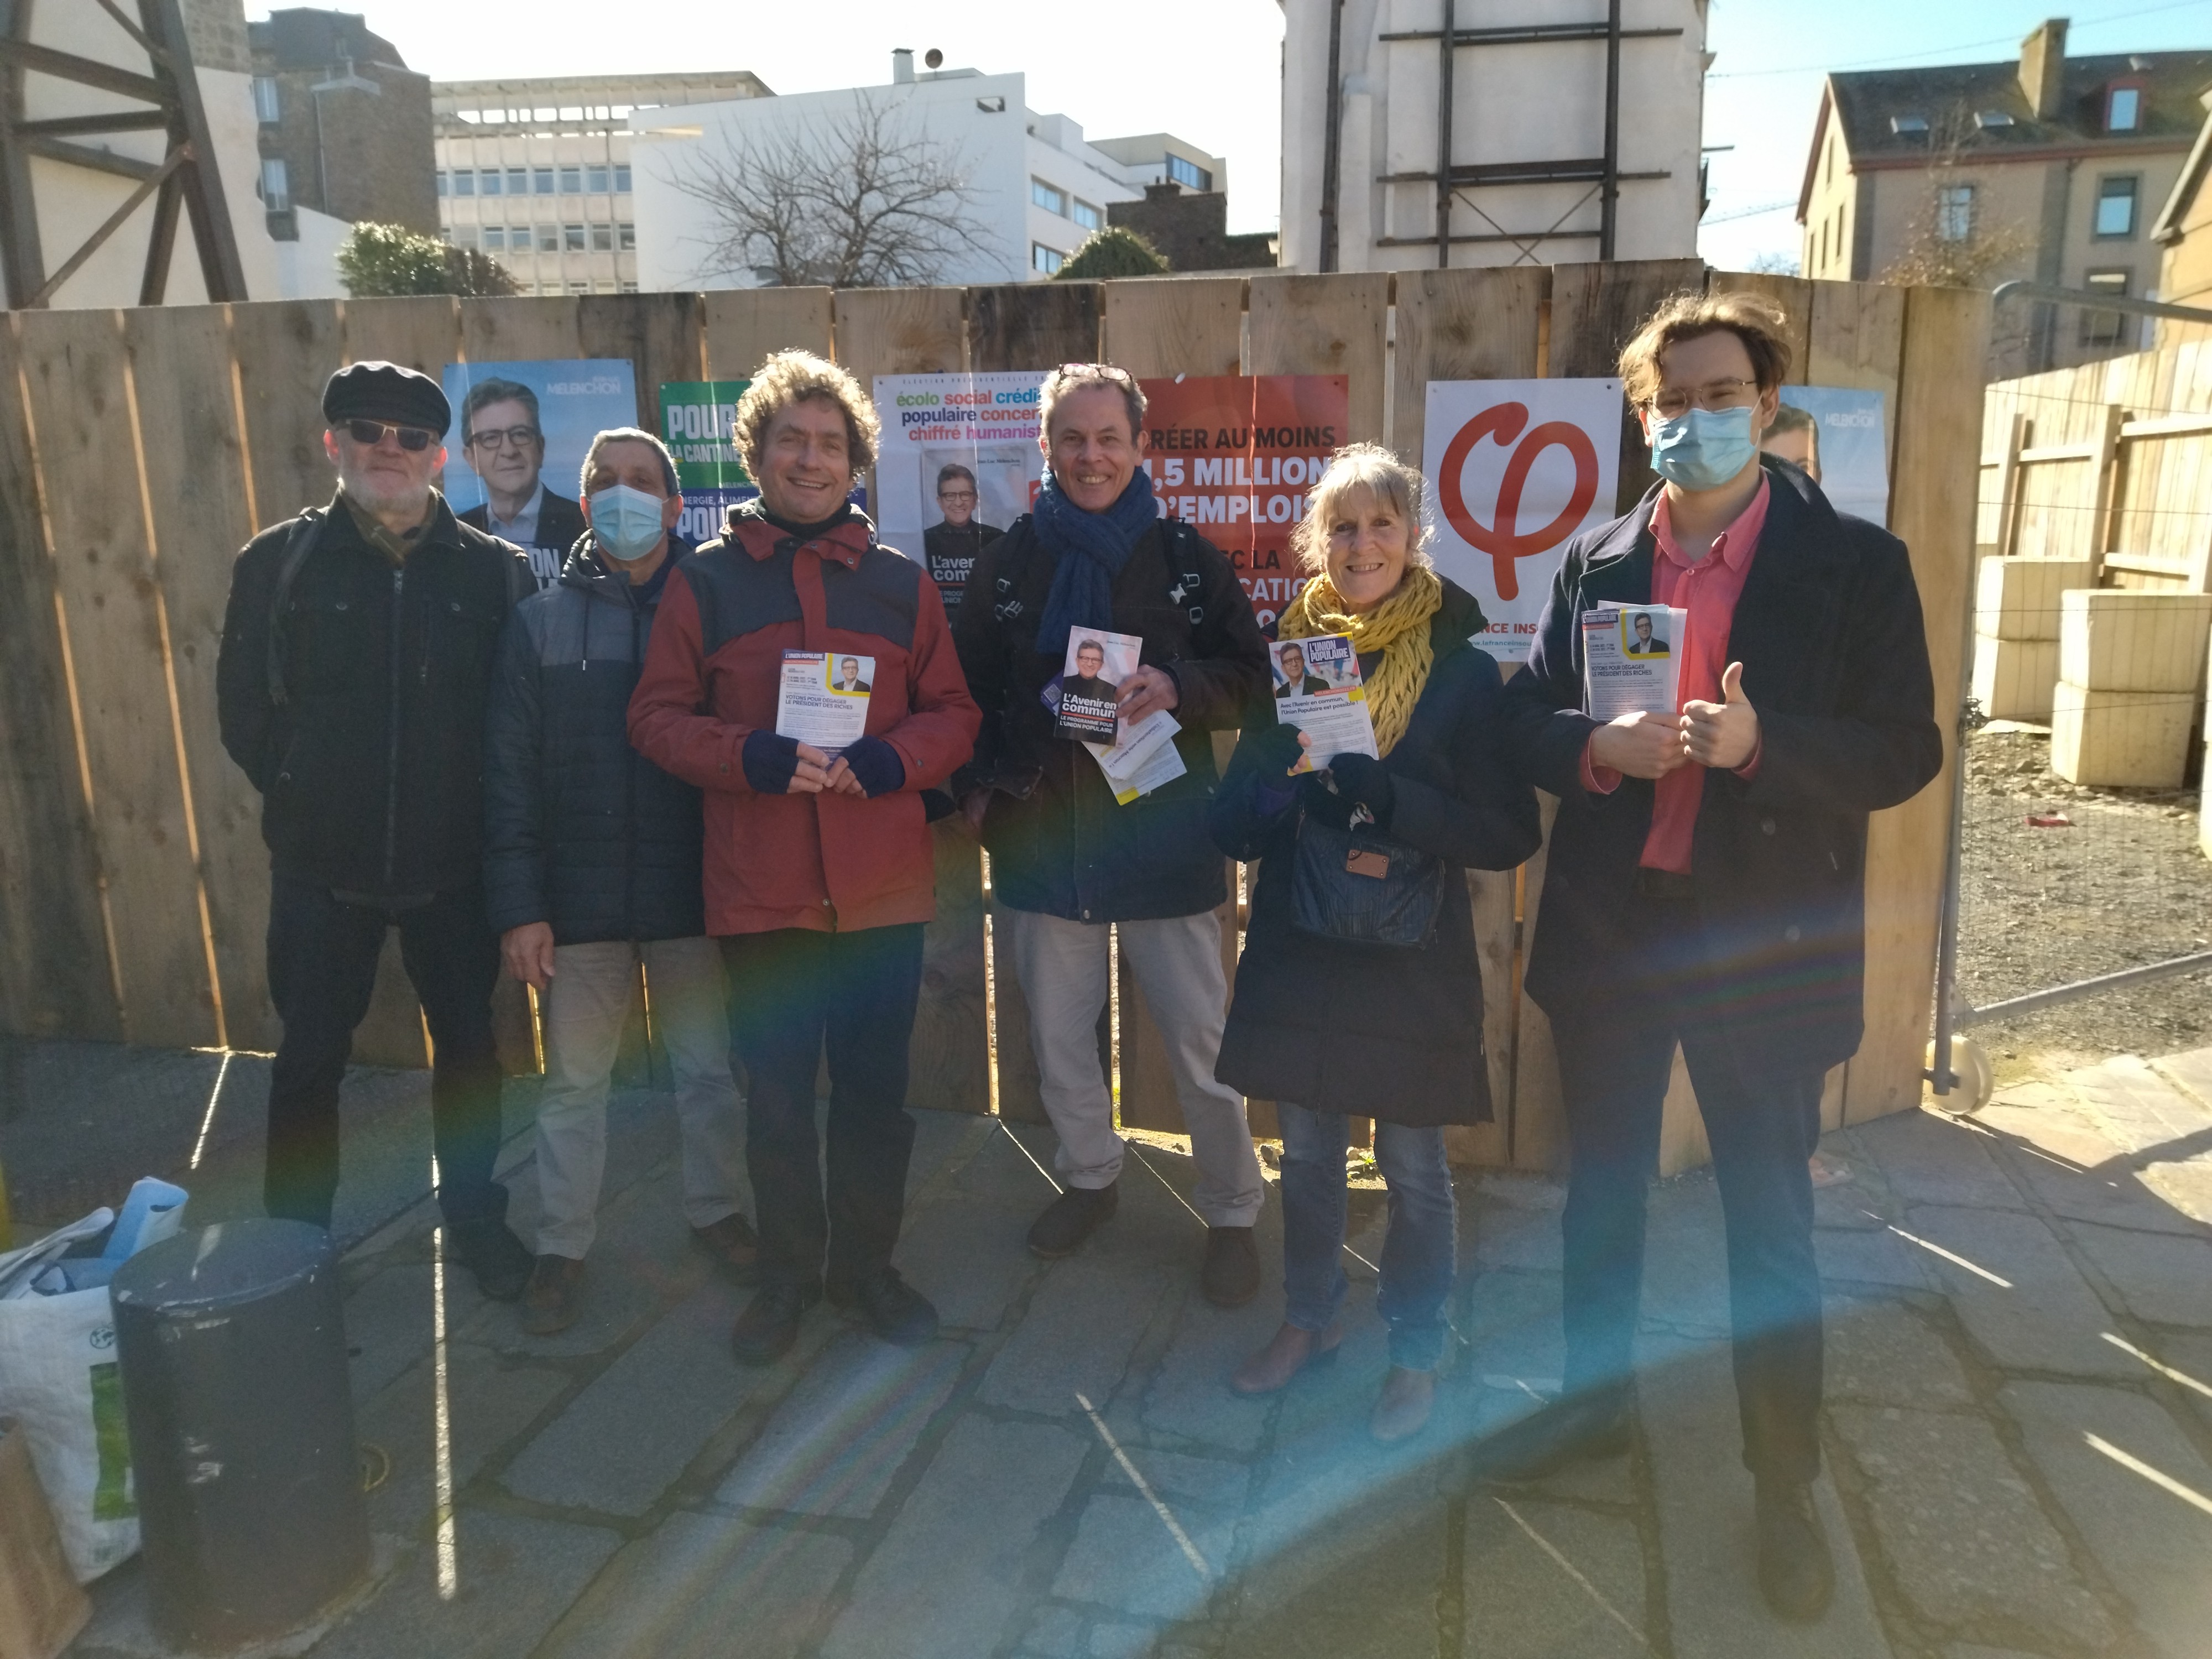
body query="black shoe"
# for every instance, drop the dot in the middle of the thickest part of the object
(1069, 1219)
(500, 1262)
(894, 1309)
(770, 1325)
(1585, 1425)
(1230, 1275)
(1796, 1575)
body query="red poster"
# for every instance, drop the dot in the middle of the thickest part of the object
(1234, 455)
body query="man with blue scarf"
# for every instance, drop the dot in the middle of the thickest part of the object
(1067, 860)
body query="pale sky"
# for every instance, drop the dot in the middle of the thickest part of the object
(1209, 70)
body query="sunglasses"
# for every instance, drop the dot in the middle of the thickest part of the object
(368, 433)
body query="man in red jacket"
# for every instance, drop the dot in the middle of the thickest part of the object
(819, 872)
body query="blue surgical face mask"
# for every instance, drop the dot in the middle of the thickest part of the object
(626, 522)
(1702, 448)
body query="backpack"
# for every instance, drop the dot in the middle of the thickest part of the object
(1181, 551)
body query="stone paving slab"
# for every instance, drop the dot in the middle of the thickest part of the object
(1546, 1581)
(2018, 1292)
(2161, 1279)
(1885, 1353)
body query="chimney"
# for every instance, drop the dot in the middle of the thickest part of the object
(902, 62)
(2043, 68)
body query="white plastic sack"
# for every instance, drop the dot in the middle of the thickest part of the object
(58, 1376)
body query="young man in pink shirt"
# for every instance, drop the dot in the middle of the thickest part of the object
(1705, 886)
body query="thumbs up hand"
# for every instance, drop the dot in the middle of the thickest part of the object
(1722, 735)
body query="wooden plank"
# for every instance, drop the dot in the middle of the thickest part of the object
(180, 360)
(659, 333)
(1466, 324)
(1332, 324)
(901, 330)
(1595, 310)
(1795, 295)
(420, 331)
(520, 330)
(1159, 327)
(283, 351)
(1857, 329)
(82, 429)
(1932, 509)
(2107, 464)
(55, 978)
(742, 326)
(1025, 326)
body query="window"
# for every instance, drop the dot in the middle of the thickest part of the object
(1046, 259)
(579, 288)
(626, 237)
(572, 181)
(602, 238)
(490, 185)
(572, 238)
(622, 179)
(2116, 209)
(549, 238)
(595, 180)
(541, 181)
(275, 184)
(462, 235)
(465, 182)
(1909, 126)
(1086, 214)
(442, 181)
(2106, 328)
(1048, 196)
(630, 287)
(1954, 213)
(494, 238)
(266, 107)
(1189, 173)
(2123, 109)
(1989, 120)
(518, 181)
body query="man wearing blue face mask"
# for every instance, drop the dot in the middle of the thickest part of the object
(592, 867)
(1705, 887)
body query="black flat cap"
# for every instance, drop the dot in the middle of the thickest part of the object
(378, 391)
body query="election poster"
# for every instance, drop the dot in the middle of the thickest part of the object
(957, 463)
(1516, 467)
(1837, 435)
(1232, 455)
(696, 420)
(515, 453)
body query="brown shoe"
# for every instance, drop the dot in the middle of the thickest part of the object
(1230, 1275)
(1289, 1351)
(1403, 1410)
(734, 1246)
(553, 1298)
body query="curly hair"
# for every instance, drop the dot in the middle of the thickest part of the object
(1374, 469)
(1753, 319)
(790, 377)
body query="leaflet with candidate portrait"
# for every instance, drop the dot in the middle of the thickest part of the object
(1319, 689)
(822, 698)
(1090, 682)
(1629, 660)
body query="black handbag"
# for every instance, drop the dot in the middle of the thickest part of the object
(1363, 888)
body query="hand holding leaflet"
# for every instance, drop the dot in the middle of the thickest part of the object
(821, 700)
(1629, 663)
(1319, 689)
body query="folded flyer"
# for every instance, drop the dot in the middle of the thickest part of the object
(823, 699)
(1091, 680)
(1142, 758)
(1629, 661)
(1319, 689)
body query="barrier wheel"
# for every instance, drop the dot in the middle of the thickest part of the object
(1977, 1077)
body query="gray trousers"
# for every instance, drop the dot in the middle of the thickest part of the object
(1176, 964)
(583, 1012)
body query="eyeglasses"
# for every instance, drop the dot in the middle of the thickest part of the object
(1712, 396)
(369, 434)
(955, 495)
(491, 437)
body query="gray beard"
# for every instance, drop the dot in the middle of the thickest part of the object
(379, 498)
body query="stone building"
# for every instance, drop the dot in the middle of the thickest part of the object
(345, 124)
(1190, 229)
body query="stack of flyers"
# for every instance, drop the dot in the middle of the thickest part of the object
(1143, 758)
(1091, 680)
(1629, 661)
(823, 699)
(1319, 689)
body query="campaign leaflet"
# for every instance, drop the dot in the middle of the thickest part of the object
(1319, 689)
(1089, 680)
(823, 698)
(1628, 664)
(1142, 758)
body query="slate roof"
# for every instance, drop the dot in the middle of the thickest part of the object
(1950, 96)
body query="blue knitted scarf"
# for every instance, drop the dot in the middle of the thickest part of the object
(1091, 547)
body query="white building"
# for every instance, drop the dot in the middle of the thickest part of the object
(537, 172)
(1544, 166)
(1037, 187)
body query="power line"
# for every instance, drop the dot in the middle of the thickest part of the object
(1938, 51)
(1748, 213)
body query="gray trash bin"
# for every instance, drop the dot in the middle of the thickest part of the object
(232, 1344)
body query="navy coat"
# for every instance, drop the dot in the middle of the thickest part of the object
(581, 831)
(1835, 660)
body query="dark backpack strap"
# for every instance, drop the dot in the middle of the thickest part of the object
(1190, 589)
(1005, 605)
(305, 535)
(702, 595)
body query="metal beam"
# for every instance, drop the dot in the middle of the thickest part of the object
(23, 261)
(2092, 301)
(1609, 195)
(1522, 172)
(1444, 132)
(108, 228)
(84, 155)
(1530, 34)
(162, 242)
(213, 234)
(85, 71)
(73, 126)
(1523, 238)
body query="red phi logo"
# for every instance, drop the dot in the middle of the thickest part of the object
(1503, 541)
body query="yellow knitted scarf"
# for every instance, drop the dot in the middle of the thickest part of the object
(1398, 628)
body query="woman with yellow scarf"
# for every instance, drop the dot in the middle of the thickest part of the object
(1359, 993)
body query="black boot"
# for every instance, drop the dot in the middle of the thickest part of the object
(1796, 1574)
(770, 1325)
(488, 1248)
(1568, 1430)
(893, 1309)
(1070, 1219)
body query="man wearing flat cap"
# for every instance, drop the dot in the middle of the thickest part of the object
(356, 661)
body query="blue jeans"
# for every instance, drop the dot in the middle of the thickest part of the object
(1416, 1250)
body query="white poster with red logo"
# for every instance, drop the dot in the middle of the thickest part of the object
(1515, 468)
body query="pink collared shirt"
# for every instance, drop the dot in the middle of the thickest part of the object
(1708, 589)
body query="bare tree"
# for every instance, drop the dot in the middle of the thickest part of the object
(865, 200)
(1951, 240)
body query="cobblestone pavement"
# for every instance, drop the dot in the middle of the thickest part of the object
(2018, 1436)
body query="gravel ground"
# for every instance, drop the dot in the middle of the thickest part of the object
(2123, 885)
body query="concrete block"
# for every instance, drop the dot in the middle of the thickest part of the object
(2014, 678)
(2113, 639)
(2124, 740)
(2017, 599)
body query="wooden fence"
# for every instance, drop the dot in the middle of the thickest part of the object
(146, 446)
(2111, 462)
